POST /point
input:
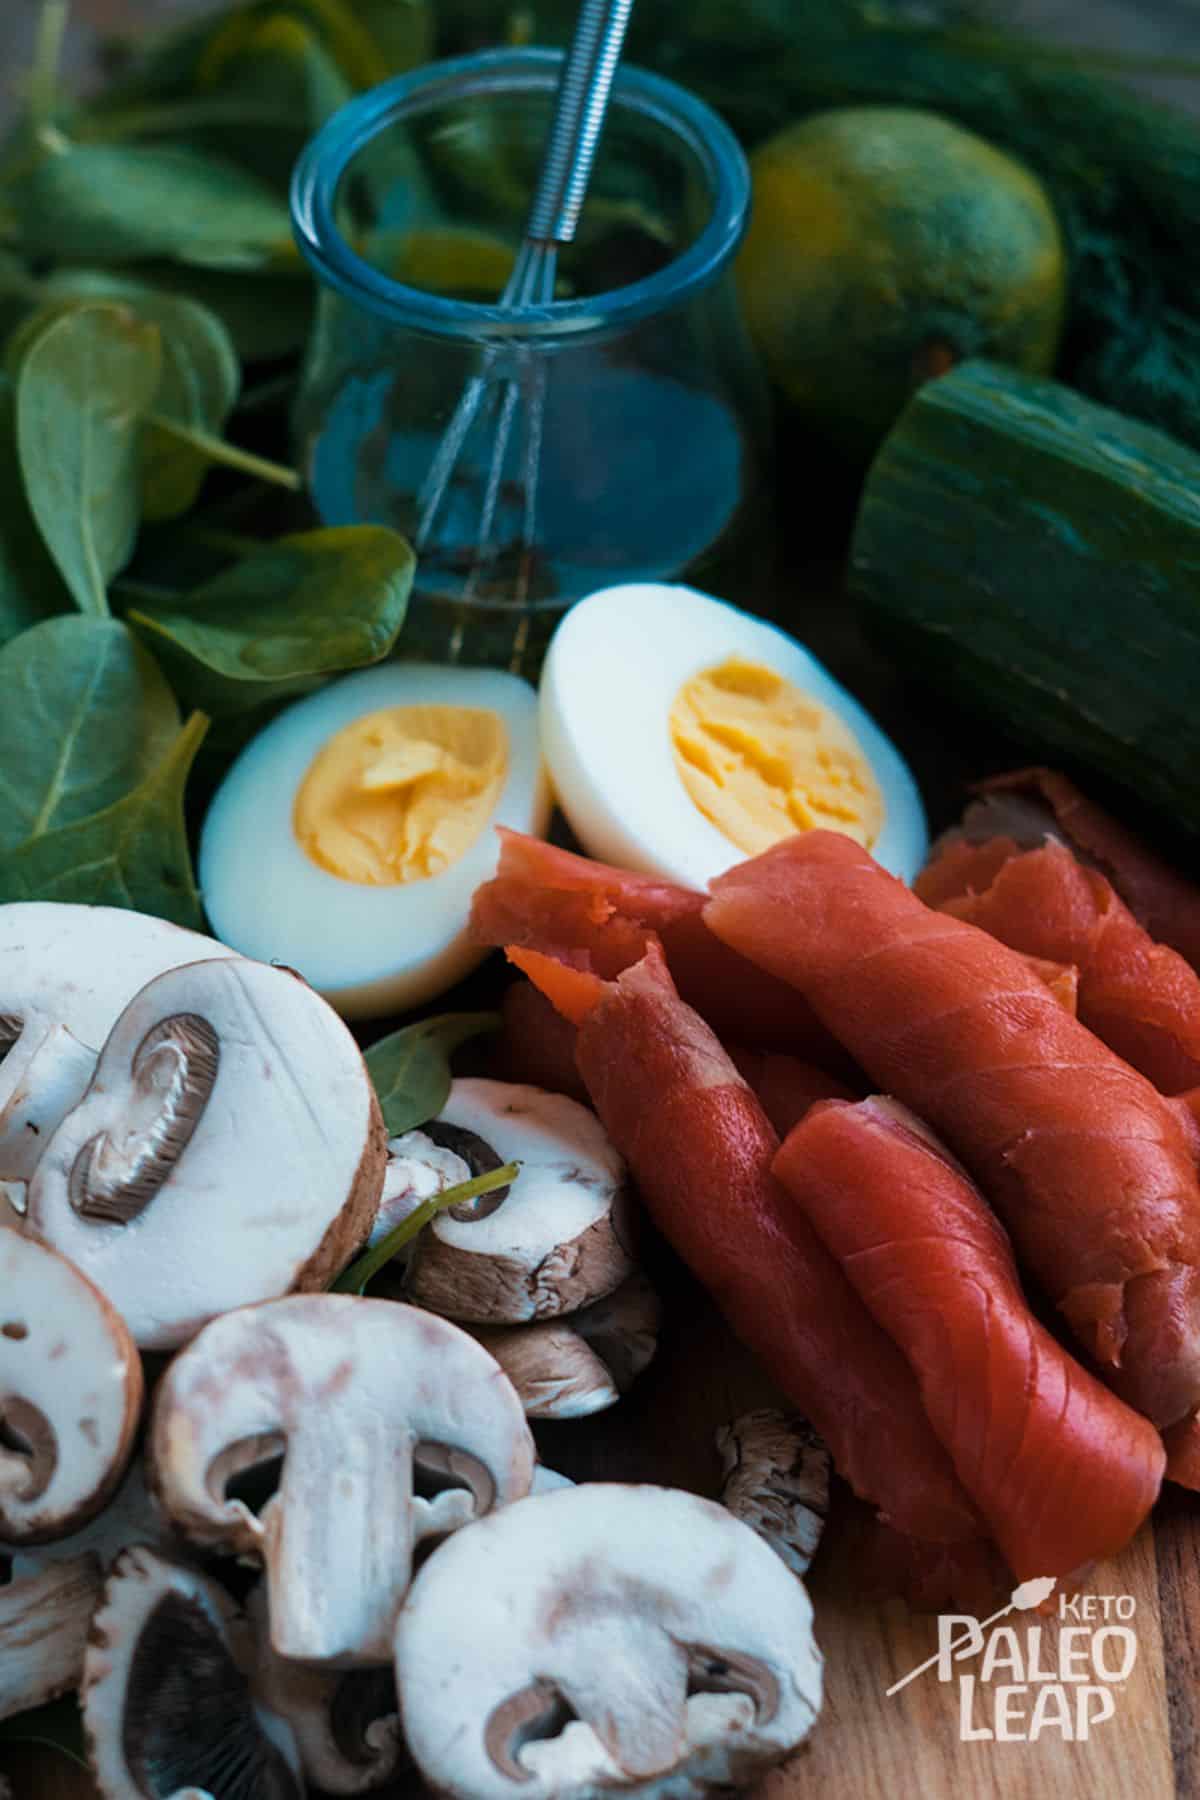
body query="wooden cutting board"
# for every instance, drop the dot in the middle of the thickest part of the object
(867, 1745)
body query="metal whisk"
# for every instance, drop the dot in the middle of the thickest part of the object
(580, 106)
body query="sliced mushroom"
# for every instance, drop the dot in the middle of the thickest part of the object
(571, 1368)
(394, 1426)
(130, 1517)
(777, 1481)
(417, 1169)
(70, 1394)
(44, 1621)
(167, 1709)
(229, 1149)
(555, 1240)
(620, 1637)
(66, 973)
(346, 1722)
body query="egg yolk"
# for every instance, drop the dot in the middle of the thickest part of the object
(401, 794)
(762, 760)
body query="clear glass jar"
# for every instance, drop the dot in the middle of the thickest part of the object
(637, 417)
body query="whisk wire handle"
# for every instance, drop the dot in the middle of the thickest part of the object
(579, 112)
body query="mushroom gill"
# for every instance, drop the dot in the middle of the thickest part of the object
(11, 1028)
(174, 1072)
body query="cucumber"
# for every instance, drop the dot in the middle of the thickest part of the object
(1037, 557)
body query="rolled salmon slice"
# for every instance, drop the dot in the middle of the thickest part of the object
(700, 1149)
(1087, 1165)
(1063, 1471)
(1141, 998)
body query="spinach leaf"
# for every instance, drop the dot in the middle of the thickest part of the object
(277, 621)
(198, 388)
(411, 1068)
(133, 854)
(87, 717)
(120, 202)
(31, 587)
(267, 313)
(402, 30)
(84, 382)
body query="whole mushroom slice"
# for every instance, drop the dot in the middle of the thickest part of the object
(66, 973)
(71, 1393)
(777, 1481)
(552, 1242)
(229, 1149)
(44, 1620)
(631, 1638)
(346, 1722)
(570, 1368)
(417, 1170)
(394, 1426)
(167, 1710)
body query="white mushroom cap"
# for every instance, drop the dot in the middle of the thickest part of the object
(229, 1149)
(573, 1367)
(345, 1722)
(66, 972)
(167, 1710)
(417, 1170)
(70, 1390)
(394, 1427)
(777, 1481)
(555, 1240)
(616, 1637)
(44, 1620)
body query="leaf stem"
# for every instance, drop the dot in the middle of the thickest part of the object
(355, 1278)
(218, 451)
(43, 77)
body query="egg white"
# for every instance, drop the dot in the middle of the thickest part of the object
(614, 667)
(367, 949)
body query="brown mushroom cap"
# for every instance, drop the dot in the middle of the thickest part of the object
(620, 1637)
(70, 1394)
(555, 1240)
(229, 1149)
(394, 1427)
(573, 1367)
(777, 1481)
(44, 1620)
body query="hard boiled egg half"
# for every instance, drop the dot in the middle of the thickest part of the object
(348, 838)
(683, 736)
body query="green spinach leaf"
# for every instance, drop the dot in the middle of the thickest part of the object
(87, 717)
(84, 383)
(267, 313)
(133, 854)
(200, 381)
(411, 1068)
(116, 203)
(31, 587)
(279, 620)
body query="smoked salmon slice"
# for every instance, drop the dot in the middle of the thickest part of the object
(786, 1087)
(1026, 803)
(700, 1149)
(544, 898)
(1142, 998)
(1063, 1471)
(1086, 1163)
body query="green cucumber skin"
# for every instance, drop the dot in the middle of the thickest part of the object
(1038, 556)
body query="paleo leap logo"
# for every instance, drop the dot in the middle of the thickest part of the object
(1045, 1681)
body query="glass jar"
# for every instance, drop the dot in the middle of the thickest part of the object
(621, 427)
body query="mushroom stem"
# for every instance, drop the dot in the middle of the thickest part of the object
(344, 1507)
(50, 1083)
(364, 1269)
(777, 1481)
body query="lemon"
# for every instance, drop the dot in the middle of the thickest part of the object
(451, 260)
(885, 245)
